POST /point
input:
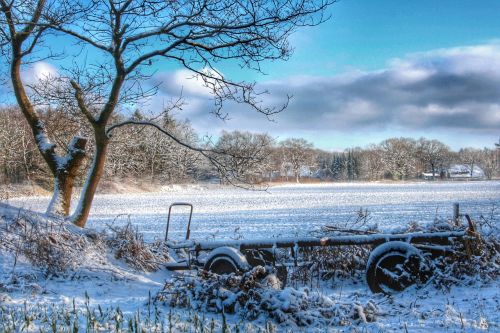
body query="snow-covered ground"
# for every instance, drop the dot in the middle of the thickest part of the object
(286, 210)
(280, 211)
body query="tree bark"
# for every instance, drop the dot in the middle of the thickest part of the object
(94, 175)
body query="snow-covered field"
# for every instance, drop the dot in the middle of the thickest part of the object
(286, 210)
(280, 211)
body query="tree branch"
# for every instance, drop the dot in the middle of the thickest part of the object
(34, 21)
(81, 102)
(82, 38)
(110, 130)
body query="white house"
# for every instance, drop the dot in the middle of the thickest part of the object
(462, 171)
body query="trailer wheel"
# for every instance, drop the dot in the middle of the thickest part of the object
(226, 260)
(394, 266)
(221, 265)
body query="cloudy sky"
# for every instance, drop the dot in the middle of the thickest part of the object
(376, 69)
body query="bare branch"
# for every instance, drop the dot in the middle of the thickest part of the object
(33, 22)
(81, 102)
(83, 38)
(109, 132)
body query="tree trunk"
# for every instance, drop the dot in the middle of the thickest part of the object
(61, 198)
(65, 168)
(94, 175)
(64, 179)
(81, 214)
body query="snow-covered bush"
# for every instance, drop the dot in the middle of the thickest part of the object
(475, 259)
(256, 295)
(56, 246)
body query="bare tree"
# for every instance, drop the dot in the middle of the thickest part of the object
(372, 166)
(433, 154)
(398, 155)
(17, 155)
(128, 36)
(297, 154)
(487, 161)
(272, 165)
(245, 156)
(22, 25)
(470, 157)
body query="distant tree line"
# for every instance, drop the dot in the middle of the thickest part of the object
(146, 154)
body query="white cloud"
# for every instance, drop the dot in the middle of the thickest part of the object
(191, 85)
(453, 90)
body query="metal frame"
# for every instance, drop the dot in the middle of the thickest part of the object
(188, 232)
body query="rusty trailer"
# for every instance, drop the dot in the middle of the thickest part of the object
(395, 262)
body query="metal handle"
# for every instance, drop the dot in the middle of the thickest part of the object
(189, 222)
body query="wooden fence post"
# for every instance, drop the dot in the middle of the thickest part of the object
(456, 213)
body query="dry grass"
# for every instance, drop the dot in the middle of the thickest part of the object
(22, 190)
(128, 245)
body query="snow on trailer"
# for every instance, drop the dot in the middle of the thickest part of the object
(396, 262)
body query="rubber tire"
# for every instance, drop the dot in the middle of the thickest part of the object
(222, 264)
(400, 259)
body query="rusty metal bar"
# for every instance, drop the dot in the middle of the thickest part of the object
(434, 237)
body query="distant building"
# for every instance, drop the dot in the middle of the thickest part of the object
(461, 171)
(429, 175)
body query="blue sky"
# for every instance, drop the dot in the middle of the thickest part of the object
(376, 69)
(365, 34)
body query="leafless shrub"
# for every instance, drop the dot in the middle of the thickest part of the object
(57, 247)
(128, 245)
(46, 244)
(333, 262)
